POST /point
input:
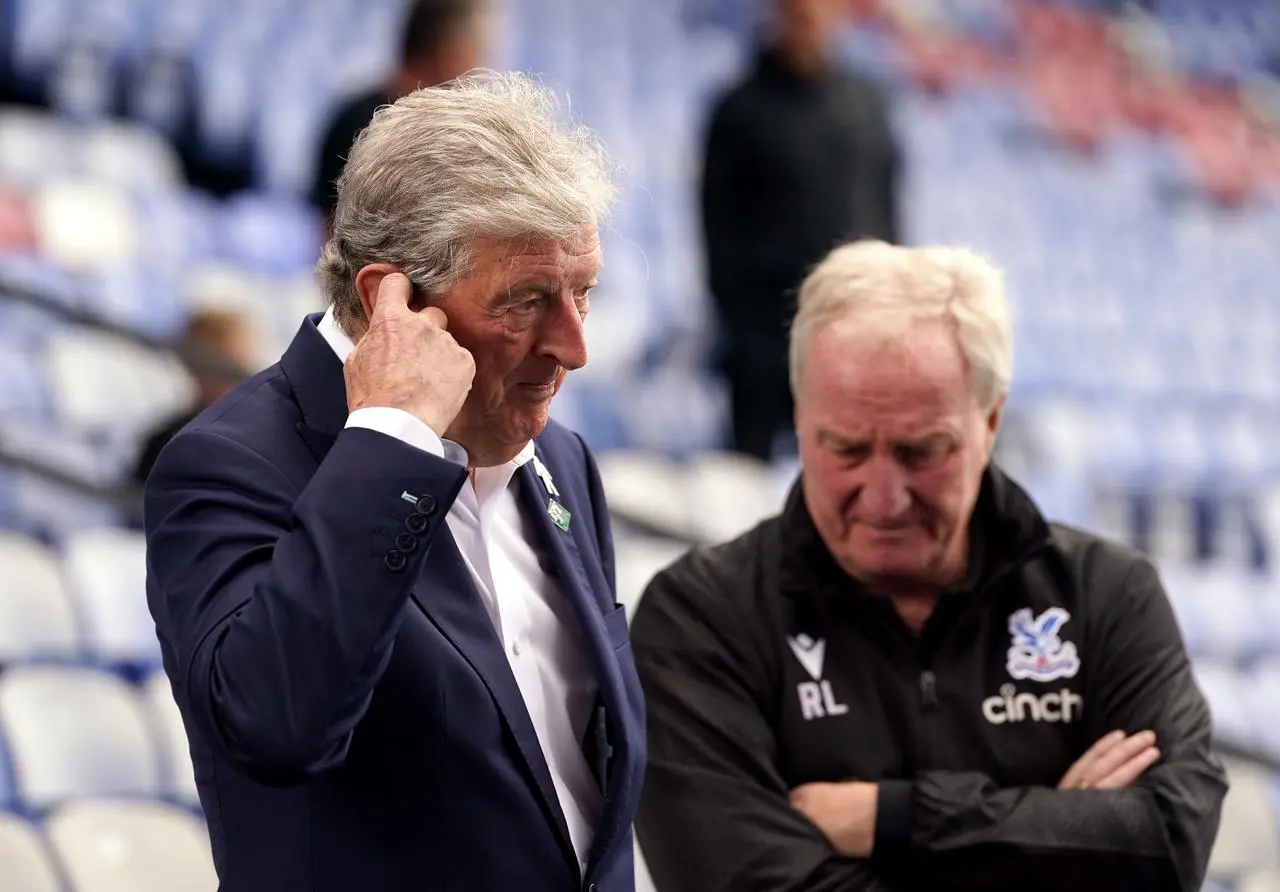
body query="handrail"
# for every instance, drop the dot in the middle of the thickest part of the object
(198, 361)
(127, 499)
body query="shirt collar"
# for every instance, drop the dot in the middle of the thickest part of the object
(342, 346)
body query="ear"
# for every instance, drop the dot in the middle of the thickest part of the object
(367, 282)
(993, 424)
(997, 413)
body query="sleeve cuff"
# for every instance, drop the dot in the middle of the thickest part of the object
(893, 818)
(399, 424)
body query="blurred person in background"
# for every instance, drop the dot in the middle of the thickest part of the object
(910, 679)
(381, 577)
(441, 40)
(799, 157)
(220, 348)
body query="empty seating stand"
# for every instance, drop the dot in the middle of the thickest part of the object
(1137, 218)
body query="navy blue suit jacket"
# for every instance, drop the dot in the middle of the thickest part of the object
(353, 719)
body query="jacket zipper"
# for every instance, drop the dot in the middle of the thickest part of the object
(928, 691)
(928, 679)
(927, 758)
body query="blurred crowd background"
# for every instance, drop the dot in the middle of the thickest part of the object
(163, 200)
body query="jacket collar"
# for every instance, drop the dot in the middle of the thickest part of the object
(1005, 528)
(315, 374)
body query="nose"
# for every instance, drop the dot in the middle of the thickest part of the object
(885, 496)
(563, 336)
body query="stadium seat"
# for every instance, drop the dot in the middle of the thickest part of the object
(74, 732)
(179, 773)
(101, 384)
(270, 235)
(23, 398)
(1226, 690)
(647, 488)
(130, 846)
(128, 156)
(25, 863)
(1260, 881)
(33, 147)
(85, 224)
(637, 560)
(105, 570)
(36, 616)
(1262, 692)
(1248, 836)
(17, 231)
(728, 494)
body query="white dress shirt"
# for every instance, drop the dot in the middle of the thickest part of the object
(534, 620)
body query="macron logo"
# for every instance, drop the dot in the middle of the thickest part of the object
(809, 653)
(817, 700)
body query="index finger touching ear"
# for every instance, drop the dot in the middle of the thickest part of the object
(394, 293)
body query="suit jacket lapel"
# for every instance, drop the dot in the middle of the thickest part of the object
(454, 606)
(576, 586)
(319, 385)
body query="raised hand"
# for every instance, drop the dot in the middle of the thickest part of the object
(408, 360)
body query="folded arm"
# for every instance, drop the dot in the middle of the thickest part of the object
(715, 815)
(961, 831)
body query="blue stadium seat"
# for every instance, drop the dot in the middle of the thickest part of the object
(37, 618)
(107, 845)
(178, 772)
(25, 861)
(270, 235)
(105, 571)
(74, 732)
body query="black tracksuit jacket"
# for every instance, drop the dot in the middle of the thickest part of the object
(765, 667)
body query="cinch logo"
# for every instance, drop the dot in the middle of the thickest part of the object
(817, 701)
(1010, 706)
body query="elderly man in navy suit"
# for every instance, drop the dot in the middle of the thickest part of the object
(381, 576)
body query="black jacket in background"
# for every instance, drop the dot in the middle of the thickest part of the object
(793, 167)
(346, 124)
(766, 667)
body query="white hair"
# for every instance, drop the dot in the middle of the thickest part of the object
(484, 157)
(887, 287)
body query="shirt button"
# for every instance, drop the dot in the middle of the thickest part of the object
(515, 648)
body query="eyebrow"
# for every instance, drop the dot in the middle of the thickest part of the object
(833, 438)
(553, 285)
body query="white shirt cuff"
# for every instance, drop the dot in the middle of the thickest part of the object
(398, 423)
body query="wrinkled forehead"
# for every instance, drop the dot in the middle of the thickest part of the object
(574, 260)
(915, 374)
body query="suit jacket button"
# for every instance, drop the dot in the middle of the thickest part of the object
(395, 560)
(416, 523)
(426, 505)
(407, 542)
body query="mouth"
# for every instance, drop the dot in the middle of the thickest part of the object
(538, 390)
(887, 534)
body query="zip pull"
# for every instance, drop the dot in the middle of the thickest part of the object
(928, 690)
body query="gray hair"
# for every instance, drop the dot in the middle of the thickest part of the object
(485, 156)
(887, 287)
